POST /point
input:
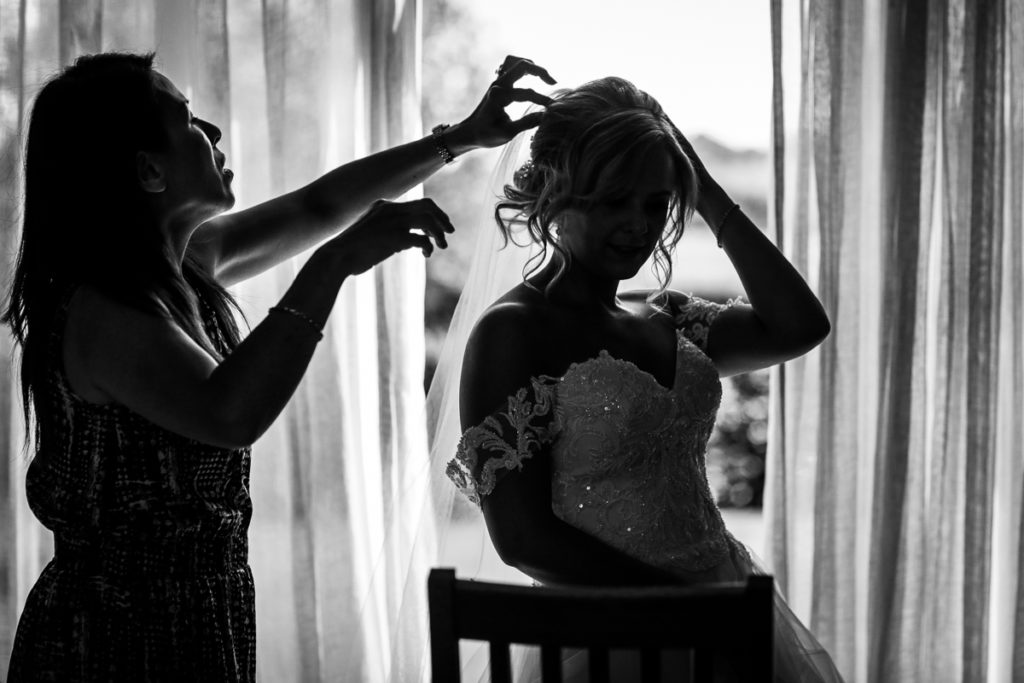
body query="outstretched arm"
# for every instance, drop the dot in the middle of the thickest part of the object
(784, 319)
(237, 246)
(524, 529)
(146, 363)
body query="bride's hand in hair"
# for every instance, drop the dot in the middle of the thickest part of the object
(489, 125)
(698, 165)
(713, 202)
(386, 229)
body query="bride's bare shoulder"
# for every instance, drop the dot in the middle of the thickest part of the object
(514, 333)
(505, 350)
(520, 315)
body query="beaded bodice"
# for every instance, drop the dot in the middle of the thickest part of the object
(627, 453)
(628, 464)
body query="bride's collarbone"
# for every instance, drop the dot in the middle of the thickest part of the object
(647, 344)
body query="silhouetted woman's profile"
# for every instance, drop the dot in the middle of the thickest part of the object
(586, 411)
(143, 395)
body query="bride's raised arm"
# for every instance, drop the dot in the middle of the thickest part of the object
(784, 319)
(506, 418)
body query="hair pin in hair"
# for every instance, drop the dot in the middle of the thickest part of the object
(524, 176)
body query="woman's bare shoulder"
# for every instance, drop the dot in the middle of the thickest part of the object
(519, 316)
(105, 339)
(95, 325)
(505, 350)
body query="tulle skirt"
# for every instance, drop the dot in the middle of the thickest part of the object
(799, 657)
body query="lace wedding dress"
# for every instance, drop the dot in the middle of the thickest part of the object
(628, 467)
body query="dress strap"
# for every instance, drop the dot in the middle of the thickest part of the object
(505, 440)
(695, 316)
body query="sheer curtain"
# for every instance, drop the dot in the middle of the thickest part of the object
(298, 86)
(894, 496)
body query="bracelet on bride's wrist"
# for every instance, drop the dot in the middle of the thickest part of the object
(440, 144)
(717, 230)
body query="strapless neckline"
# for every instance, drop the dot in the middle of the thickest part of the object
(603, 356)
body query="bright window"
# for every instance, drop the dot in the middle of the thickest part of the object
(709, 64)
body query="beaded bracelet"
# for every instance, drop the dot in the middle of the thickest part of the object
(301, 316)
(440, 145)
(718, 230)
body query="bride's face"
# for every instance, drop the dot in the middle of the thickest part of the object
(614, 238)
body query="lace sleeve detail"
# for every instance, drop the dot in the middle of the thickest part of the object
(695, 317)
(504, 440)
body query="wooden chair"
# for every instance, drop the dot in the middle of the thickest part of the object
(717, 622)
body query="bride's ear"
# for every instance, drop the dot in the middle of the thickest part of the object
(569, 221)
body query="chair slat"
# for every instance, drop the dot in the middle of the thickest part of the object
(501, 662)
(551, 663)
(577, 618)
(598, 661)
(714, 620)
(444, 637)
(703, 667)
(650, 665)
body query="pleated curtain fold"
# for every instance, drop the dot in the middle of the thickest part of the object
(895, 482)
(298, 87)
(894, 495)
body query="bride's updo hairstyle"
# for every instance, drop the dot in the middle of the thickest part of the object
(605, 124)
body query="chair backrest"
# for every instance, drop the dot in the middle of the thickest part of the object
(733, 621)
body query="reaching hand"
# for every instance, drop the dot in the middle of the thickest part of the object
(388, 228)
(489, 125)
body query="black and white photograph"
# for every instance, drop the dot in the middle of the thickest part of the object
(412, 341)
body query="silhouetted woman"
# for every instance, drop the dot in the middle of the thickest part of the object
(586, 410)
(144, 394)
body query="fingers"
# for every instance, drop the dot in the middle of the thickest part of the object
(527, 122)
(514, 68)
(428, 217)
(431, 206)
(390, 227)
(415, 239)
(424, 216)
(525, 95)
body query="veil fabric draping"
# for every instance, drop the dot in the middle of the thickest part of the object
(894, 470)
(462, 540)
(298, 87)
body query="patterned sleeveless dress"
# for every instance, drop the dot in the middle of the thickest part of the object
(150, 579)
(628, 467)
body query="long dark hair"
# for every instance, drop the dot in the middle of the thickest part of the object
(86, 220)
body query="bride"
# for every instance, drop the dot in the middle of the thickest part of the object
(586, 411)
